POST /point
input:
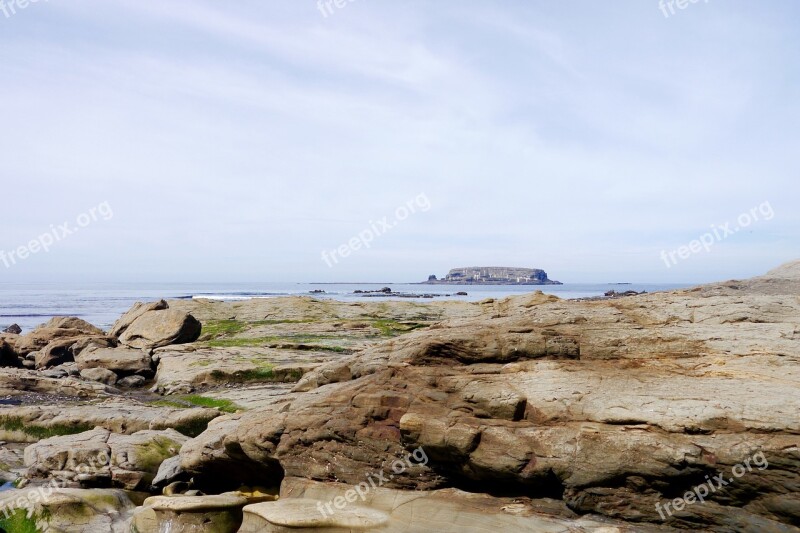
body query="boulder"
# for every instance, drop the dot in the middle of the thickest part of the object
(154, 329)
(56, 372)
(13, 329)
(189, 514)
(58, 328)
(133, 313)
(65, 350)
(121, 360)
(170, 472)
(99, 457)
(101, 375)
(132, 382)
(55, 353)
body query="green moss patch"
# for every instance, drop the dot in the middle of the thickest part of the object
(392, 328)
(218, 328)
(295, 342)
(264, 373)
(19, 522)
(14, 423)
(195, 400)
(214, 329)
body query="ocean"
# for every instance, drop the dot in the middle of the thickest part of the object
(29, 305)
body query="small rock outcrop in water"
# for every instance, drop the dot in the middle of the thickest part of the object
(13, 329)
(493, 276)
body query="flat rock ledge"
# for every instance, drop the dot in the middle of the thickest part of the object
(338, 508)
(190, 514)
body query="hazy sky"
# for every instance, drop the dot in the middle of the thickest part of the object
(238, 140)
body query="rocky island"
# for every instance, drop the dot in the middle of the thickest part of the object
(493, 276)
(660, 412)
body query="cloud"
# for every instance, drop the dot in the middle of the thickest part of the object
(241, 139)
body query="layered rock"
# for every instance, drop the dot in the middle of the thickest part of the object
(17, 381)
(99, 457)
(185, 368)
(313, 506)
(56, 329)
(57, 509)
(122, 361)
(609, 407)
(117, 416)
(64, 350)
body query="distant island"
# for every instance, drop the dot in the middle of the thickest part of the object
(493, 276)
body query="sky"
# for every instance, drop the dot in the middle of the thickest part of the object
(296, 140)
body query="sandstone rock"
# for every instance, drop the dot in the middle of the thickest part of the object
(56, 372)
(132, 382)
(304, 514)
(170, 472)
(153, 329)
(609, 407)
(99, 457)
(117, 416)
(133, 313)
(19, 381)
(144, 520)
(56, 329)
(122, 361)
(72, 323)
(55, 353)
(189, 514)
(101, 375)
(69, 510)
(64, 350)
(311, 506)
(182, 368)
(176, 488)
(88, 450)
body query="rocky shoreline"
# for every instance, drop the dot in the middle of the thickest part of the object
(529, 413)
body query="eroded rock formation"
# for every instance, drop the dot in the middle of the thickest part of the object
(608, 407)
